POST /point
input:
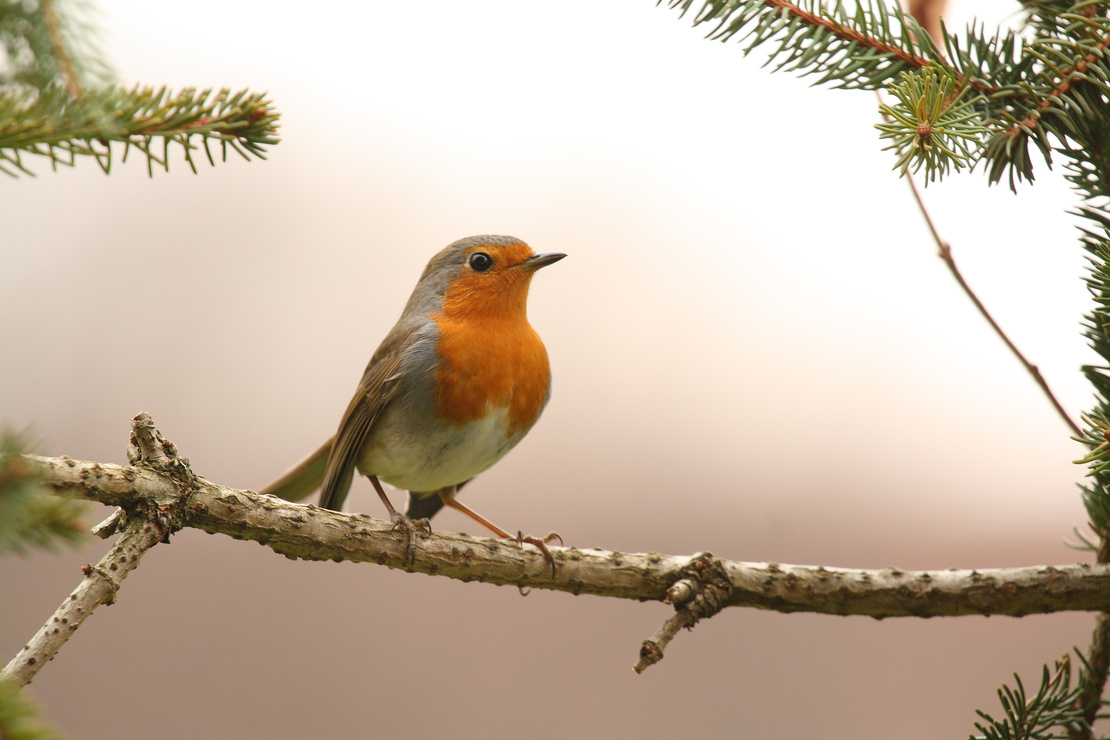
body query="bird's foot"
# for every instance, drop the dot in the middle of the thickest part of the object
(542, 545)
(410, 527)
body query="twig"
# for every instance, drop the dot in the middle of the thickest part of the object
(651, 652)
(1065, 84)
(99, 586)
(58, 47)
(945, 253)
(944, 250)
(147, 443)
(704, 591)
(151, 522)
(850, 34)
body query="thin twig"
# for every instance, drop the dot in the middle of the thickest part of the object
(945, 253)
(58, 47)
(944, 250)
(99, 586)
(1065, 84)
(651, 652)
(1098, 657)
(850, 34)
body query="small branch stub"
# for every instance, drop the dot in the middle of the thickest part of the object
(111, 525)
(680, 593)
(704, 591)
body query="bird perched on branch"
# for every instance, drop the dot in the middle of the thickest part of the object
(457, 382)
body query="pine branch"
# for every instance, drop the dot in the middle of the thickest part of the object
(58, 49)
(860, 51)
(1069, 77)
(933, 124)
(62, 129)
(1088, 700)
(1050, 713)
(29, 515)
(1013, 95)
(1096, 493)
(51, 42)
(1051, 101)
(17, 716)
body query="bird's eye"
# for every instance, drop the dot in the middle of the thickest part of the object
(480, 262)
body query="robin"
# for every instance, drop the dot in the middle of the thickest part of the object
(457, 382)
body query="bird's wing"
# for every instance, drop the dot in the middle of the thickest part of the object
(374, 392)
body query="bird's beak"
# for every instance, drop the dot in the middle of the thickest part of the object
(536, 261)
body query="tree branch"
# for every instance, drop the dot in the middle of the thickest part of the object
(61, 128)
(304, 531)
(1069, 76)
(161, 495)
(100, 585)
(847, 33)
(58, 46)
(103, 580)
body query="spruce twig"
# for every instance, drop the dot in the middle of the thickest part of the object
(63, 129)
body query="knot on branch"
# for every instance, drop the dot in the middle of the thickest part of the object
(702, 589)
(149, 449)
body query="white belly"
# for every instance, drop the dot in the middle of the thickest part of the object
(439, 455)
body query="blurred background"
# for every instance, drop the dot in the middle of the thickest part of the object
(756, 353)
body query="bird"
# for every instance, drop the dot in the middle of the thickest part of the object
(455, 385)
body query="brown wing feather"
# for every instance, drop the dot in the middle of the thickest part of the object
(374, 392)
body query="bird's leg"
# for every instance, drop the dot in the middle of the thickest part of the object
(447, 495)
(400, 520)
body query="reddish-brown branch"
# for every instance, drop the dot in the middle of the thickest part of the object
(910, 60)
(850, 34)
(944, 251)
(1066, 84)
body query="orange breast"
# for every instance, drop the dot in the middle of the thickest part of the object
(490, 356)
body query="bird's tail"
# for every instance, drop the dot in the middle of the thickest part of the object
(423, 505)
(427, 504)
(303, 478)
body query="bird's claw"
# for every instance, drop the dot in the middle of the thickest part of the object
(542, 545)
(411, 527)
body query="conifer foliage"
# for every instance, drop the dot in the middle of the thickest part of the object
(1002, 102)
(58, 102)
